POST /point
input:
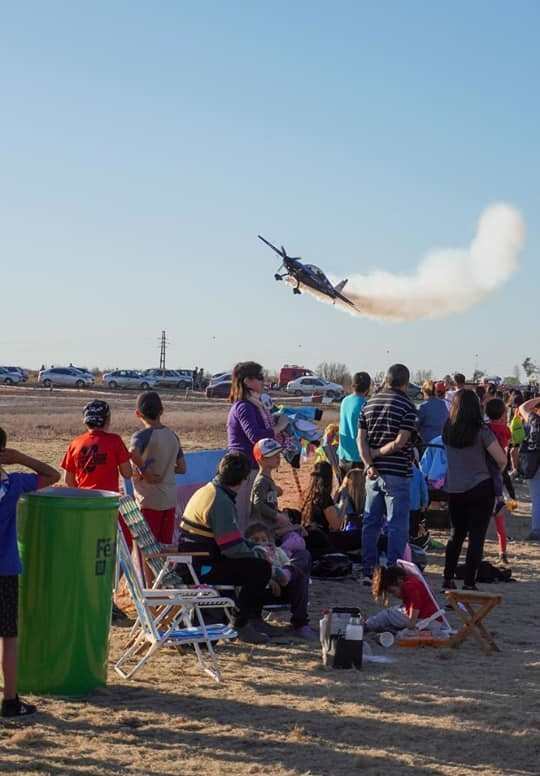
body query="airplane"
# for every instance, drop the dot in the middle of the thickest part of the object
(306, 274)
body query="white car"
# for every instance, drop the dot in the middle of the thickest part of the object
(220, 377)
(128, 378)
(170, 378)
(7, 377)
(66, 376)
(306, 386)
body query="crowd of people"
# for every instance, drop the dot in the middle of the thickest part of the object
(235, 528)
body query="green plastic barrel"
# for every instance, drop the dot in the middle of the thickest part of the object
(67, 542)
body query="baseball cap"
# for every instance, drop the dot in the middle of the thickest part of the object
(266, 448)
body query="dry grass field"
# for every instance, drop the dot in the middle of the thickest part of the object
(279, 712)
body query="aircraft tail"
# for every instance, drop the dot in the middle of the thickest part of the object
(340, 286)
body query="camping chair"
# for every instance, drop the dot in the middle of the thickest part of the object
(472, 607)
(165, 617)
(411, 569)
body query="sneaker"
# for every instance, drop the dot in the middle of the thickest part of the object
(249, 635)
(14, 707)
(264, 627)
(448, 584)
(305, 632)
(367, 580)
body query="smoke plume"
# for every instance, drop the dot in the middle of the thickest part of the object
(446, 281)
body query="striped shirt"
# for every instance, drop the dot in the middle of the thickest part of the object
(383, 417)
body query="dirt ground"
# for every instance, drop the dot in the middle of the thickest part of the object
(278, 711)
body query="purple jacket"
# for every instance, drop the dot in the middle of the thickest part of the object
(245, 426)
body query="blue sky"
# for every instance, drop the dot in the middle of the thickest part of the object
(144, 145)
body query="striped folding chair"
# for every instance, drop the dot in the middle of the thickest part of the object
(165, 616)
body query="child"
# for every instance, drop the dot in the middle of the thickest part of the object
(351, 498)
(417, 603)
(157, 453)
(13, 485)
(419, 496)
(265, 492)
(95, 459)
(496, 414)
(289, 576)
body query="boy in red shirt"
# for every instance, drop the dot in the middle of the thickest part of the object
(417, 602)
(96, 459)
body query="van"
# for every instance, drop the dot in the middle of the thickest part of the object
(289, 372)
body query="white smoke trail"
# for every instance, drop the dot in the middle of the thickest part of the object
(446, 281)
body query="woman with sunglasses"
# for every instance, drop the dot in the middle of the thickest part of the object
(248, 421)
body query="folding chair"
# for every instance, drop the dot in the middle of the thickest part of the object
(160, 559)
(472, 608)
(165, 616)
(411, 569)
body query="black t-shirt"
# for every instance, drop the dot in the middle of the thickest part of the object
(317, 512)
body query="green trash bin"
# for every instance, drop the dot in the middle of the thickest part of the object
(67, 542)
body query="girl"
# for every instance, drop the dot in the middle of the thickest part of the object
(321, 519)
(417, 602)
(351, 498)
(471, 495)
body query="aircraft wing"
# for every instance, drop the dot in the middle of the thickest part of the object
(340, 286)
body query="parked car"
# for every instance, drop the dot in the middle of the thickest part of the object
(219, 377)
(17, 370)
(10, 378)
(65, 376)
(129, 378)
(306, 386)
(170, 378)
(219, 390)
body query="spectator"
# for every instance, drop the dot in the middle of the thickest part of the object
(322, 520)
(209, 529)
(248, 421)
(459, 384)
(530, 412)
(349, 412)
(13, 485)
(290, 577)
(265, 492)
(97, 458)
(157, 453)
(432, 413)
(387, 422)
(471, 495)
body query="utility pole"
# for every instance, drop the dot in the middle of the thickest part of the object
(163, 351)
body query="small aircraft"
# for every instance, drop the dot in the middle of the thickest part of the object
(307, 275)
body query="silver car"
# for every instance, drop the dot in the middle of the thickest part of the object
(170, 378)
(67, 376)
(7, 377)
(129, 378)
(305, 386)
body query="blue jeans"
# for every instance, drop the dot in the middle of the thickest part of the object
(387, 502)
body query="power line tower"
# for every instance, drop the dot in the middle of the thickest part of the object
(163, 350)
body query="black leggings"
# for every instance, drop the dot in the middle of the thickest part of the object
(250, 574)
(320, 543)
(470, 513)
(508, 484)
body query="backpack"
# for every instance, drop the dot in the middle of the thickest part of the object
(529, 451)
(487, 573)
(334, 565)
